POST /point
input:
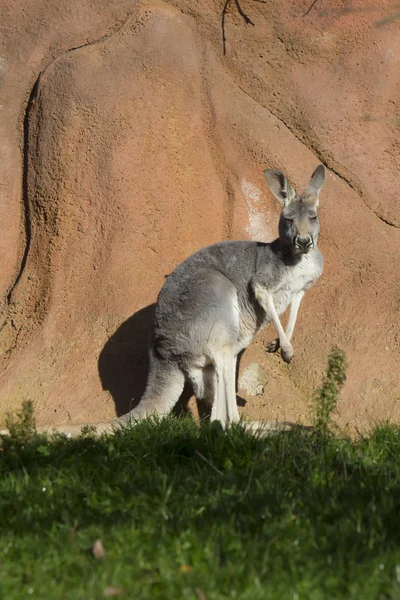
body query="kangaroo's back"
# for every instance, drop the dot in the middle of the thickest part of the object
(209, 288)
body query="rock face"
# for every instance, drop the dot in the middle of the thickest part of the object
(142, 142)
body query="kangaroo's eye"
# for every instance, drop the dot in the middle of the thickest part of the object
(288, 220)
(313, 218)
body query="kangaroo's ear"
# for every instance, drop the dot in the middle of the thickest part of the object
(280, 186)
(311, 195)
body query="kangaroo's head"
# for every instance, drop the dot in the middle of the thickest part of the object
(298, 224)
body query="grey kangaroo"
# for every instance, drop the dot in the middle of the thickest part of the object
(214, 303)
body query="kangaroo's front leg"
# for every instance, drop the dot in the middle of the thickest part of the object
(293, 311)
(266, 300)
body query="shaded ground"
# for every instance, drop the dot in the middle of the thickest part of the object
(177, 508)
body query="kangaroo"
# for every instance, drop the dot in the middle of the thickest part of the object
(213, 304)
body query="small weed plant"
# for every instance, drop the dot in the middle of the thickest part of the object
(327, 396)
(22, 425)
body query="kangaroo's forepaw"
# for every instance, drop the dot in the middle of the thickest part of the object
(287, 354)
(273, 346)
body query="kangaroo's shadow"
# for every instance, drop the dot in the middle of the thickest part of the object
(124, 364)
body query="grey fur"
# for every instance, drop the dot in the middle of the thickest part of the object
(213, 304)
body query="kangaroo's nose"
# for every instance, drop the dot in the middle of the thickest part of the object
(304, 243)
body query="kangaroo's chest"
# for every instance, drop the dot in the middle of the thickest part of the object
(297, 279)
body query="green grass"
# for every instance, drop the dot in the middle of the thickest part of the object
(194, 512)
(189, 512)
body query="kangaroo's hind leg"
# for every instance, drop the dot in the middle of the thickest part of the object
(225, 407)
(203, 380)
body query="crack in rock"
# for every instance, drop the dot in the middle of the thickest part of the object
(30, 104)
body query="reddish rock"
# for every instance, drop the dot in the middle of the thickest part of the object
(143, 141)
